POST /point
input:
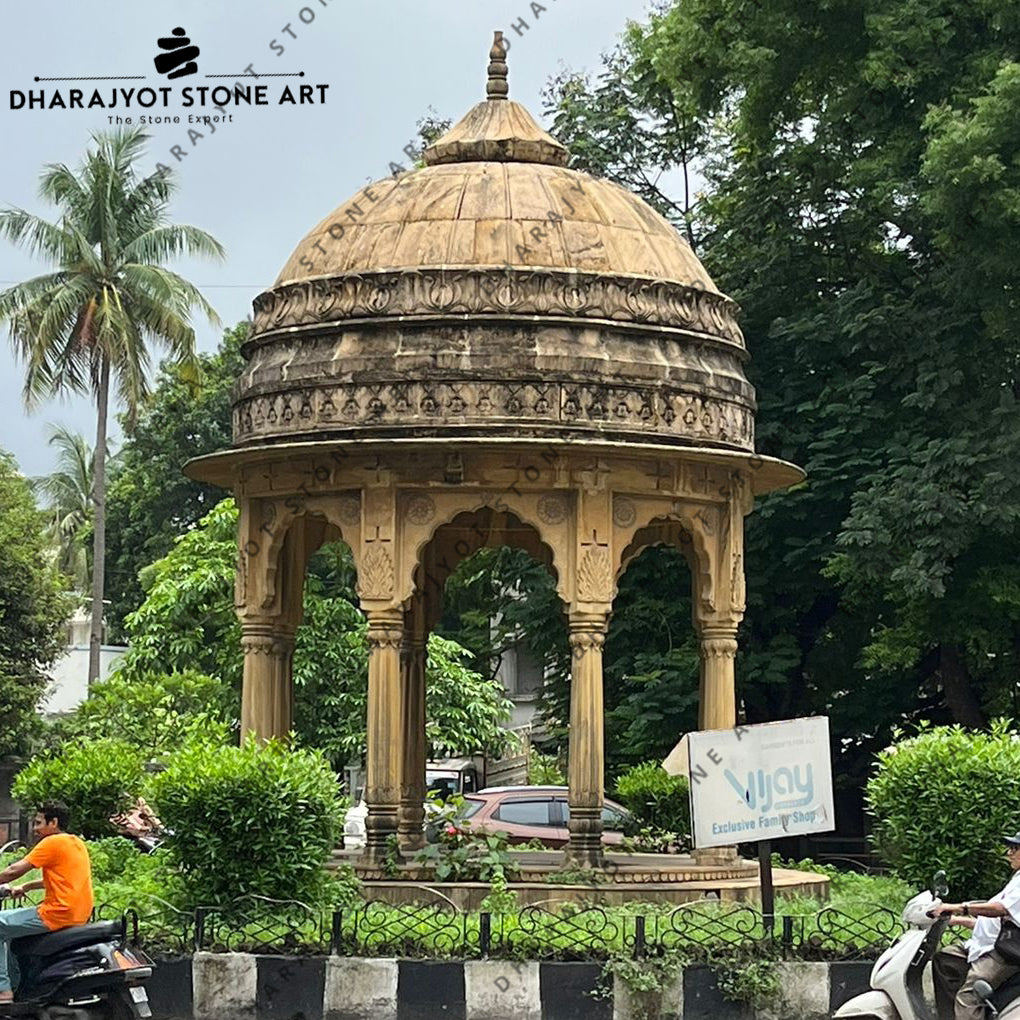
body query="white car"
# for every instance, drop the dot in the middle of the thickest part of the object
(354, 826)
(443, 779)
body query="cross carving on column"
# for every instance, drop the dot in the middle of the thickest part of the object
(376, 537)
(663, 472)
(383, 474)
(594, 478)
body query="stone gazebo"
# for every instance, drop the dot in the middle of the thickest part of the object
(490, 350)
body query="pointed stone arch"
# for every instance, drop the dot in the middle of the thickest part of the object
(276, 540)
(546, 515)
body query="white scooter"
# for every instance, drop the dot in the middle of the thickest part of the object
(896, 979)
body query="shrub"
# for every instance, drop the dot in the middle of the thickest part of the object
(112, 857)
(465, 856)
(123, 877)
(943, 799)
(249, 821)
(96, 779)
(656, 798)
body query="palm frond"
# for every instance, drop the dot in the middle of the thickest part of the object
(38, 236)
(163, 243)
(112, 296)
(67, 492)
(61, 187)
(180, 294)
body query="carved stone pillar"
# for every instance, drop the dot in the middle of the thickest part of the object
(413, 653)
(267, 692)
(717, 709)
(587, 754)
(385, 729)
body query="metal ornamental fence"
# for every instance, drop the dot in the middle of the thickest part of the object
(697, 930)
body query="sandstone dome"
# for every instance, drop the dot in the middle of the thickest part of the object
(494, 292)
(490, 214)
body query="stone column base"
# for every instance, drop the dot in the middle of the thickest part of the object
(714, 856)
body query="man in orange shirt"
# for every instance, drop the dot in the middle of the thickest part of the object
(66, 880)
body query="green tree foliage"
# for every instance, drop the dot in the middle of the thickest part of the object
(651, 664)
(154, 714)
(249, 821)
(95, 779)
(187, 623)
(499, 598)
(859, 189)
(34, 606)
(655, 797)
(90, 321)
(151, 502)
(944, 799)
(496, 599)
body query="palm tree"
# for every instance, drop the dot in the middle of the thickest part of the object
(109, 297)
(67, 493)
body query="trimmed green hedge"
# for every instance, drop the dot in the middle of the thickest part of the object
(943, 799)
(249, 821)
(95, 779)
(656, 798)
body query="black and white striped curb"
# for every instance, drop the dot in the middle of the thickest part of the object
(239, 986)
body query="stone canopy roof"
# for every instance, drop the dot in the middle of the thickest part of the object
(494, 296)
(495, 192)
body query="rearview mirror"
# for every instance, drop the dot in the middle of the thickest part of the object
(939, 885)
(983, 990)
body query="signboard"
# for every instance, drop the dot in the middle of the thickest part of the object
(761, 782)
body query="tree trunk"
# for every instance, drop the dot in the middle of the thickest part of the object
(960, 698)
(99, 521)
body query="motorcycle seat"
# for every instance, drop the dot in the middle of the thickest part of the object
(51, 942)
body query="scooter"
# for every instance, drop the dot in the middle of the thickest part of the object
(896, 979)
(86, 972)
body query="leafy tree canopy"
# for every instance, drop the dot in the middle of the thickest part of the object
(150, 501)
(187, 623)
(858, 179)
(153, 714)
(34, 606)
(109, 300)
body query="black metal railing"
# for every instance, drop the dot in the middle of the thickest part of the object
(701, 930)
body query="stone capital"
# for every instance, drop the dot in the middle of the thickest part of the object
(582, 641)
(718, 647)
(382, 637)
(266, 638)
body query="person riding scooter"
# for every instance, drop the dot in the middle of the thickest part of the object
(66, 881)
(957, 968)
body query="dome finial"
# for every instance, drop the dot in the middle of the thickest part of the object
(497, 87)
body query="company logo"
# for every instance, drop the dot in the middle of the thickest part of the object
(763, 787)
(180, 61)
(208, 99)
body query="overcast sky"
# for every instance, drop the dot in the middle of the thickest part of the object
(260, 183)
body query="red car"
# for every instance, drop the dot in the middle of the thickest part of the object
(534, 812)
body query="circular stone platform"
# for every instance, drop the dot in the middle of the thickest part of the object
(657, 878)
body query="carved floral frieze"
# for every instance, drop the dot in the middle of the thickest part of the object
(525, 292)
(654, 409)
